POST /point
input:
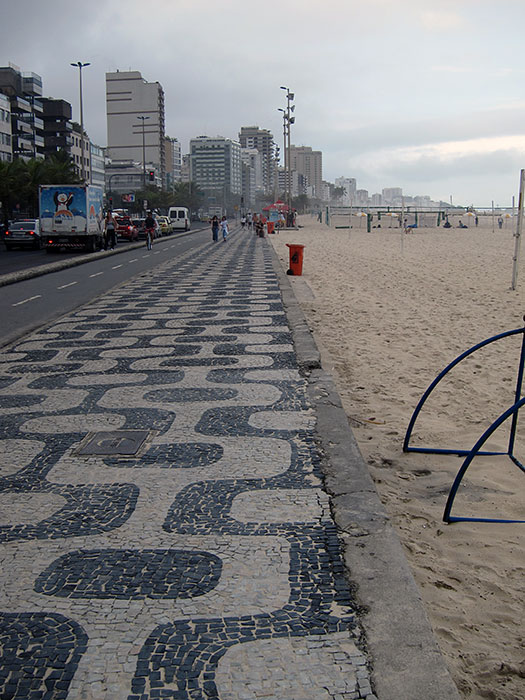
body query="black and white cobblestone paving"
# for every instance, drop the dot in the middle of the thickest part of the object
(206, 565)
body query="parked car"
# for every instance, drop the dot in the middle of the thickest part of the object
(165, 225)
(139, 230)
(124, 227)
(24, 233)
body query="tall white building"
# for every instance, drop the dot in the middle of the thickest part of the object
(215, 167)
(349, 184)
(253, 158)
(392, 195)
(173, 161)
(129, 97)
(252, 137)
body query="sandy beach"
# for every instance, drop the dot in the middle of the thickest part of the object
(389, 312)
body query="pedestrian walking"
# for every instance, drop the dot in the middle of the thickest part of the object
(224, 228)
(249, 220)
(110, 231)
(243, 222)
(259, 227)
(215, 229)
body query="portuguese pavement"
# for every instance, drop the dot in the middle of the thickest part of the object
(163, 524)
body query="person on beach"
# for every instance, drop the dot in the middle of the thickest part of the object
(224, 228)
(110, 231)
(215, 229)
(500, 222)
(461, 224)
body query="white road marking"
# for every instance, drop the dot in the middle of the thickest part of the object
(67, 285)
(157, 252)
(116, 267)
(26, 300)
(96, 274)
(146, 256)
(134, 260)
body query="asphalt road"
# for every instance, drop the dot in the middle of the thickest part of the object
(18, 259)
(31, 303)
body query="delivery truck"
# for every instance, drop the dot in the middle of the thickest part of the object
(71, 217)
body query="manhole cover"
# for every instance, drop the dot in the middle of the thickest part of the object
(114, 442)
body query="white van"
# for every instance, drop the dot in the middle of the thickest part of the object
(180, 218)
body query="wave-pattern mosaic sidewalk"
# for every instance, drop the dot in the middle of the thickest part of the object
(163, 528)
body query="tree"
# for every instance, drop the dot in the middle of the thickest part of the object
(187, 194)
(300, 203)
(12, 182)
(20, 180)
(338, 192)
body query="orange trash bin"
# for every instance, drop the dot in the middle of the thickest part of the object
(270, 226)
(296, 259)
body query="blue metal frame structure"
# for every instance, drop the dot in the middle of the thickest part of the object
(476, 450)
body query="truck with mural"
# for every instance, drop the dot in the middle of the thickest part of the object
(71, 217)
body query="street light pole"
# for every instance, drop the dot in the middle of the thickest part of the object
(287, 146)
(143, 119)
(81, 65)
(285, 152)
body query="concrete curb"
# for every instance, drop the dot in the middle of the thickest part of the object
(32, 272)
(406, 661)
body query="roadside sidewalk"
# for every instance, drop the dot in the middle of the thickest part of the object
(164, 530)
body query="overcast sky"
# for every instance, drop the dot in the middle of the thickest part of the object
(427, 95)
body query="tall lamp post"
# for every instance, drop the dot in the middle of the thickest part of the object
(81, 65)
(287, 146)
(143, 119)
(285, 152)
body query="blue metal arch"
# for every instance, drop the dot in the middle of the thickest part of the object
(476, 449)
(443, 373)
(512, 411)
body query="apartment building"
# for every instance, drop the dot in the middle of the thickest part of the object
(173, 161)
(79, 151)
(135, 121)
(392, 195)
(24, 91)
(6, 148)
(349, 185)
(97, 163)
(58, 128)
(215, 166)
(252, 137)
(309, 163)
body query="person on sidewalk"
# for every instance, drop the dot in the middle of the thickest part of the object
(110, 231)
(259, 227)
(224, 228)
(215, 229)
